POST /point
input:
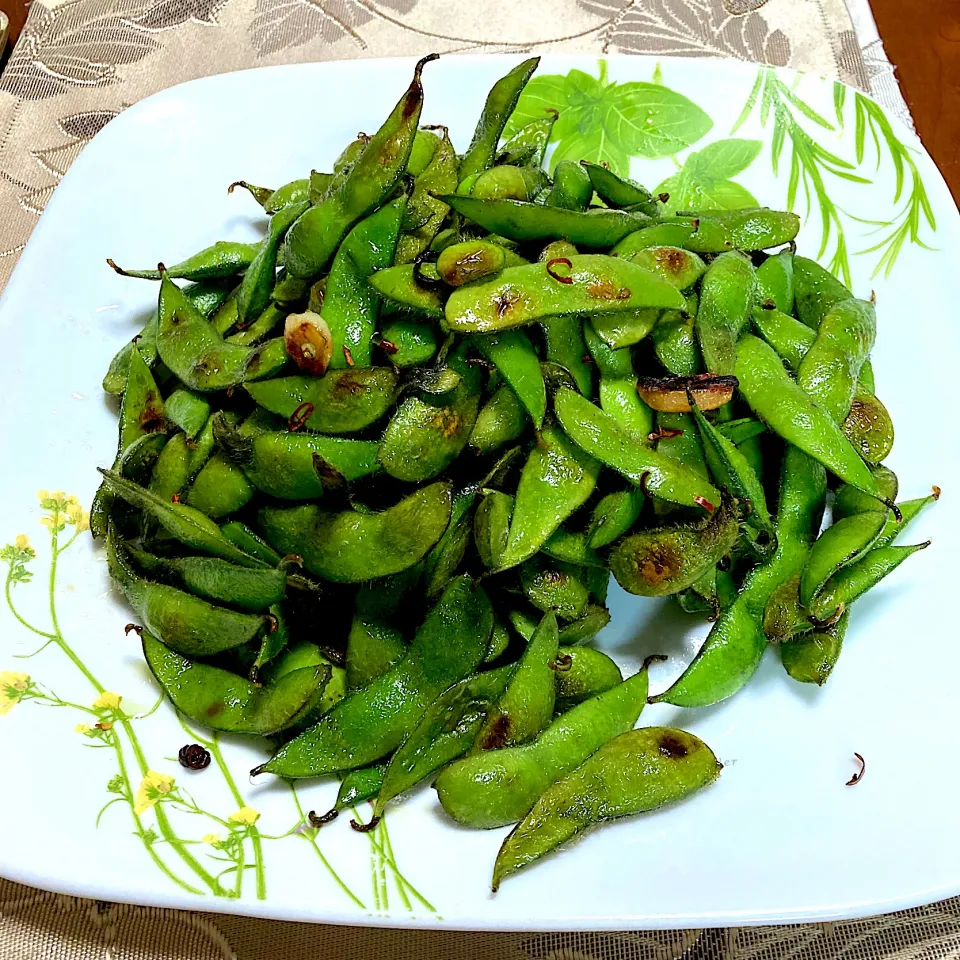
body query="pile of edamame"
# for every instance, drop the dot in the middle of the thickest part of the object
(374, 472)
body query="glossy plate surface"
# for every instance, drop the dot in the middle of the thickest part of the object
(779, 837)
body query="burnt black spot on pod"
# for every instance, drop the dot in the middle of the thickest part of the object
(672, 746)
(498, 734)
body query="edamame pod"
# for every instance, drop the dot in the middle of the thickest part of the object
(619, 191)
(726, 303)
(526, 705)
(185, 524)
(351, 547)
(634, 773)
(788, 410)
(350, 305)
(517, 220)
(656, 474)
(223, 701)
(184, 623)
(357, 188)
(572, 188)
(225, 258)
(514, 356)
(592, 284)
(445, 732)
(367, 725)
(253, 590)
(500, 103)
(297, 466)
(497, 787)
(557, 478)
(582, 673)
(501, 420)
(666, 560)
(342, 401)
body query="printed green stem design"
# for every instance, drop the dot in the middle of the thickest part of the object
(810, 162)
(256, 840)
(381, 856)
(908, 223)
(811, 165)
(56, 636)
(310, 835)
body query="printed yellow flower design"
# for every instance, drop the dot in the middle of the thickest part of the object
(13, 688)
(64, 509)
(22, 543)
(246, 816)
(211, 838)
(82, 728)
(107, 701)
(153, 788)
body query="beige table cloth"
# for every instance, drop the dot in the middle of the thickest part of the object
(80, 62)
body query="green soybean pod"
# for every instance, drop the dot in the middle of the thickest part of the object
(223, 701)
(775, 281)
(371, 723)
(491, 526)
(514, 356)
(184, 523)
(665, 560)
(408, 342)
(342, 401)
(501, 420)
(526, 705)
(351, 547)
(423, 436)
(185, 623)
(635, 772)
(373, 647)
(581, 673)
(253, 590)
(614, 515)
(500, 103)
(726, 303)
(497, 787)
(593, 284)
(554, 587)
(572, 189)
(657, 474)
(557, 478)
(445, 732)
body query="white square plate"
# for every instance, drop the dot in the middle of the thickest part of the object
(778, 838)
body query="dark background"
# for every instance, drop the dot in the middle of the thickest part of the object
(922, 38)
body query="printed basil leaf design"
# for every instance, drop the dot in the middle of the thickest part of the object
(704, 181)
(610, 122)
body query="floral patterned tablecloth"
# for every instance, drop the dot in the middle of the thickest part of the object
(79, 63)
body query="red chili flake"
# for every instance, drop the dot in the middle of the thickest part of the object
(348, 355)
(587, 359)
(365, 827)
(389, 347)
(320, 820)
(300, 416)
(705, 503)
(194, 757)
(644, 477)
(562, 664)
(663, 433)
(556, 276)
(135, 627)
(136, 337)
(663, 197)
(858, 776)
(624, 293)
(174, 497)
